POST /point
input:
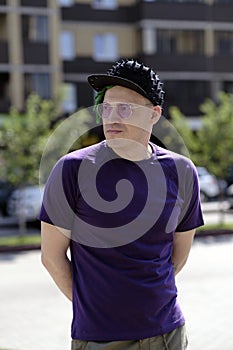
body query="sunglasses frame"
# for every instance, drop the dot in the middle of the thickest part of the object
(116, 106)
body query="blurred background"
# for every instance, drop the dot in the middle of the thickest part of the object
(47, 50)
(49, 47)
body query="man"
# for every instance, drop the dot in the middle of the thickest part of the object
(128, 210)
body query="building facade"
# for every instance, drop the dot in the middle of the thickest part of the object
(46, 45)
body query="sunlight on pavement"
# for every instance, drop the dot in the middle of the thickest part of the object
(35, 315)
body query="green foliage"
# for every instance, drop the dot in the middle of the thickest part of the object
(68, 136)
(35, 137)
(215, 227)
(216, 135)
(212, 145)
(180, 122)
(18, 241)
(23, 138)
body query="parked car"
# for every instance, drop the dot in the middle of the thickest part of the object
(26, 202)
(5, 191)
(209, 185)
(229, 193)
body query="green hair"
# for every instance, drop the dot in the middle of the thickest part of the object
(99, 97)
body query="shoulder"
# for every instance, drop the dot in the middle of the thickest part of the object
(173, 157)
(83, 153)
(175, 163)
(74, 159)
(69, 164)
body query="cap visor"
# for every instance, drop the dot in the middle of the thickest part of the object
(99, 81)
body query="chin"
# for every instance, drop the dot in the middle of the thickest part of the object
(115, 142)
(120, 142)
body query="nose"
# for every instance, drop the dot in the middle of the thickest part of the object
(113, 116)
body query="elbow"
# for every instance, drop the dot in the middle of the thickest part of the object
(46, 262)
(179, 266)
(42, 259)
(52, 262)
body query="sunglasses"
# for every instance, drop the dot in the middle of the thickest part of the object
(124, 110)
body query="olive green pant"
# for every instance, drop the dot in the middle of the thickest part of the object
(175, 340)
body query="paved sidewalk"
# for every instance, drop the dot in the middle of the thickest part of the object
(34, 315)
(206, 294)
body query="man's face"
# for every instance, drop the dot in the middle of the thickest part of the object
(138, 126)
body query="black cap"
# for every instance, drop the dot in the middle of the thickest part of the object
(132, 75)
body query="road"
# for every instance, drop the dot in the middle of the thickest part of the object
(34, 314)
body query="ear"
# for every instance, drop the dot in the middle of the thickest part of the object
(157, 110)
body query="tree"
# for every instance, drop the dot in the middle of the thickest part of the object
(23, 137)
(212, 145)
(36, 137)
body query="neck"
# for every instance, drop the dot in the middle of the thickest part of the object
(133, 151)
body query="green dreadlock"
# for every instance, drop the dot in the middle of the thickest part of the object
(99, 99)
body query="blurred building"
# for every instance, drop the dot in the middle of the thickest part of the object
(47, 44)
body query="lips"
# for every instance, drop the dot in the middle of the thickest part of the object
(113, 131)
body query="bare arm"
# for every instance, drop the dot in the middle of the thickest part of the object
(54, 245)
(181, 248)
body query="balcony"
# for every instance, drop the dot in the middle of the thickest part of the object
(222, 12)
(222, 63)
(186, 11)
(173, 62)
(34, 3)
(4, 58)
(173, 11)
(35, 53)
(82, 12)
(85, 64)
(161, 62)
(187, 63)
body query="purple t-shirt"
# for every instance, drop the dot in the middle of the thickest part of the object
(122, 216)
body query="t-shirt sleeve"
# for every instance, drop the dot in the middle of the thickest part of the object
(60, 195)
(191, 213)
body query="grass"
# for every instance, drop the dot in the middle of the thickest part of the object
(15, 241)
(224, 226)
(35, 239)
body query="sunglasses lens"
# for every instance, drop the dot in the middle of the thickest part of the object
(104, 110)
(124, 110)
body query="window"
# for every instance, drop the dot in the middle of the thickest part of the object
(191, 94)
(228, 87)
(105, 47)
(166, 41)
(183, 42)
(105, 4)
(65, 2)
(35, 28)
(224, 42)
(67, 45)
(41, 28)
(194, 1)
(69, 103)
(149, 41)
(40, 84)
